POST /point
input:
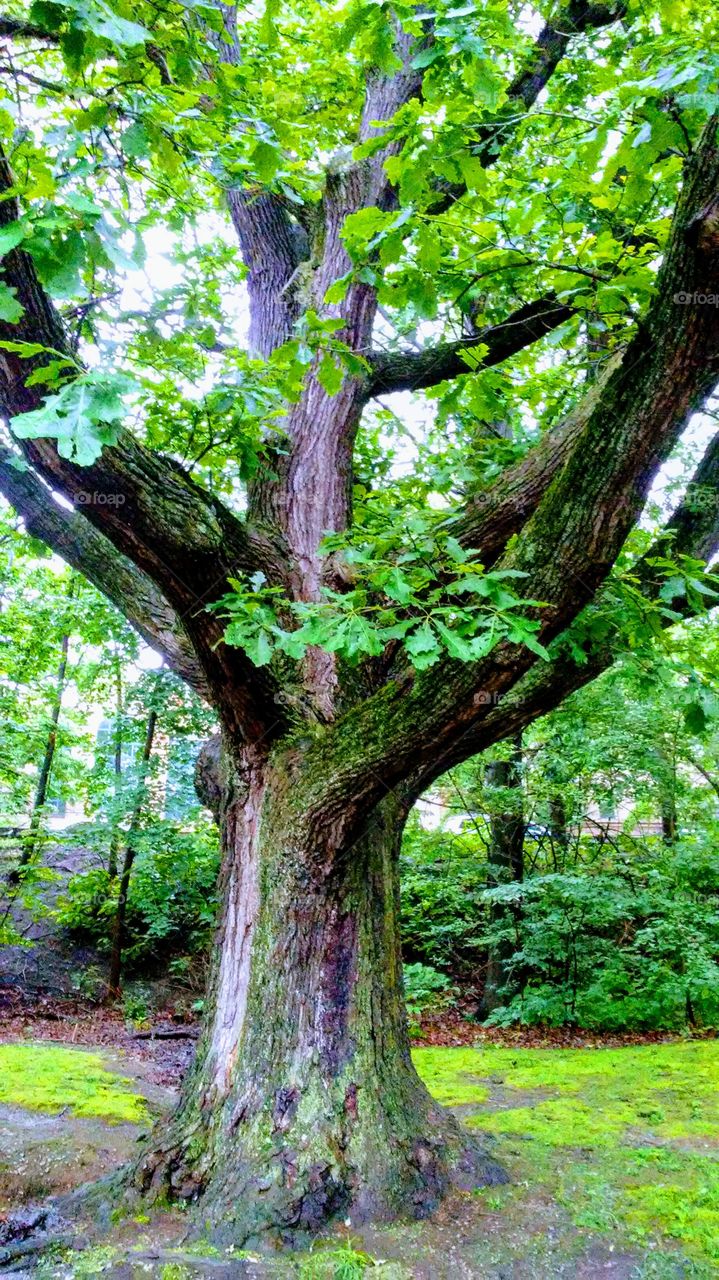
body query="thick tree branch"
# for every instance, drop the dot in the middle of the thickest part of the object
(384, 97)
(549, 49)
(693, 530)
(310, 490)
(493, 515)
(667, 371)
(73, 538)
(553, 42)
(415, 370)
(272, 249)
(183, 538)
(272, 245)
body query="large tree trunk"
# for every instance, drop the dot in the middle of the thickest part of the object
(303, 1104)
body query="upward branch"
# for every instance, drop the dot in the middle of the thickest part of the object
(551, 46)
(693, 530)
(272, 245)
(415, 370)
(566, 550)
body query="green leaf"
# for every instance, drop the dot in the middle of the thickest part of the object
(10, 309)
(101, 20)
(397, 586)
(259, 648)
(135, 141)
(672, 588)
(423, 647)
(266, 159)
(11, 235)
(456, 645)
(82, 417)
(329, 374)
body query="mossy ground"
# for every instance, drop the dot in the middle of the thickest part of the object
(613, 1154)
(626, 1143)
(49, 1077)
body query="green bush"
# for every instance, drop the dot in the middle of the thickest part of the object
(630, 945)
(172, 899)
(426, 990)
(442, 878)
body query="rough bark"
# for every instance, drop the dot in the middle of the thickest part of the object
(303, 1103)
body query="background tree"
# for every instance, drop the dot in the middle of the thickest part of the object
(512, 194)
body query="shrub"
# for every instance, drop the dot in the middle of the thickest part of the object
(426, 990)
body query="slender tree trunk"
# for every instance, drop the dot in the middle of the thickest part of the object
(558, 823)
(30, 843)
(505, 863)
(303, 1104)
(669, 820)
(118, 924)
(117, 775)
(667, 780)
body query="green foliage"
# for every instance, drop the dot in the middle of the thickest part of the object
(393, 597)
(443, 877)
(83, 416)
(425, 990)
(626, 945)
(171, 902)
(344, 1262)
(614, 925)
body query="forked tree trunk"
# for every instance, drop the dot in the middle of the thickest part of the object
(303, 1103)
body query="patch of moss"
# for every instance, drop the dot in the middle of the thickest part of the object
(666, 1091)
(453, 1076)
(346, 1263)
(49, 1077)
(86, 1264)
(606, 1146)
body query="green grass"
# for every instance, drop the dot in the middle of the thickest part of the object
(48, 1077)
(625, 1140)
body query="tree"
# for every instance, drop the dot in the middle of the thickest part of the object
(505, 860)
(358, 633)
(118, 924)
(43, 777)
